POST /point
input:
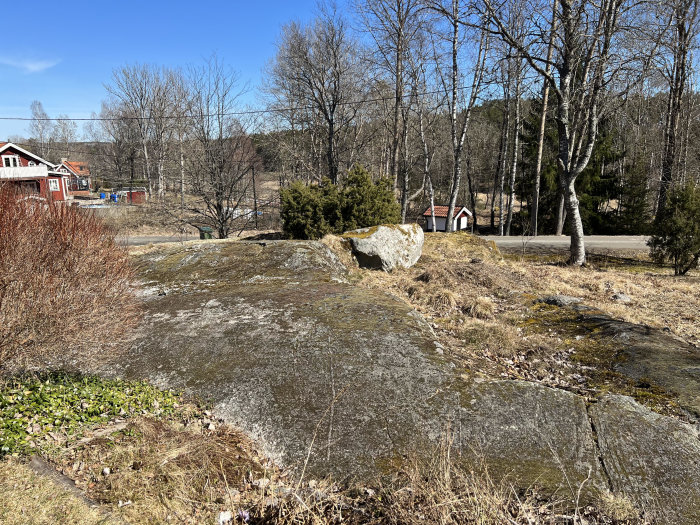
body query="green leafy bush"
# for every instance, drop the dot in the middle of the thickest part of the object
(310, 212)
(33, 406)
(676, 236)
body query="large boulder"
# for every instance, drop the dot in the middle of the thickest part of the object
(386, 247)
(335, 378)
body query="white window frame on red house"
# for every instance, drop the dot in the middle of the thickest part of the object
(7, 161)
(53, 185)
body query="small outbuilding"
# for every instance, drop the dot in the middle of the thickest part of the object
(133, 195)
(460, 219)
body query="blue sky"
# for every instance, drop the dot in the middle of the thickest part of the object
(62, 53)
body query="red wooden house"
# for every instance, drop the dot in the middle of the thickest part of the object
(79, 183)
(31, 174)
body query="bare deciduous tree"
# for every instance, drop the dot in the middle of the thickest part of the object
(543, 124)
(41, 129)
(460, 103)
(683, 18)
(320, 65)
(147, 95)
(223, 155)
(394, 26)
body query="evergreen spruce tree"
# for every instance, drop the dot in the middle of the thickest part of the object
(676, 236)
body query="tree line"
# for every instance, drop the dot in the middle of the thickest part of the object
(546, 116)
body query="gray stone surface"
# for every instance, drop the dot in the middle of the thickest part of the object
(286, 350)
(653, 459)
(621, 298)
(386, 247)
(651, 355)
(534, 435)
(350, 379)
(335, 379)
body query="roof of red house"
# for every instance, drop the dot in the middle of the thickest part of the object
(4, 146)
(79, 168)
(441, 211)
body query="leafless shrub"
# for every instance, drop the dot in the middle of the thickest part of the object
(64, 282)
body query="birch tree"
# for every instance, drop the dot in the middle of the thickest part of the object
(393, 25)
(460, 103)
(41, 129)
(146, 94)
(586, 61)
(320, 65)
(683, 22)
(535, 208)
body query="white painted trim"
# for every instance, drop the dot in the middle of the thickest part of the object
(24, 173)
(37, 157)
(458, 210)
(18, 162)
(63, 165)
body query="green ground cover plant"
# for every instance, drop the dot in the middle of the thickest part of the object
(35, 408)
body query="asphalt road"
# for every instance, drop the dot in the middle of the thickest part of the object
(542, 242)
(142, 240)
(562, 242)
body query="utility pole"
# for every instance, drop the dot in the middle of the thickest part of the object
(255, 200)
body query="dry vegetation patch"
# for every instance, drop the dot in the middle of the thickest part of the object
(482, 306)
(28, 498)
(187, 467)
(658, 299)
(154, 471)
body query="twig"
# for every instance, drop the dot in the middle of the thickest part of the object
(313, 439)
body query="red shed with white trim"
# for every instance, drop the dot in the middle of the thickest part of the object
(460, 219)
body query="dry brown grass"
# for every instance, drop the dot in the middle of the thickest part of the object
(619, 507)
(481, 308)
(436, 490)
(151, 218)
(27, 498)
(442, 301)
(341, 247)
(160, 472)
(481, 305)
(658, 298)
(433, 489)
(164, 471)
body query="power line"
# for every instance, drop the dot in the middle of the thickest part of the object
(222, 114)
(89, 151)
